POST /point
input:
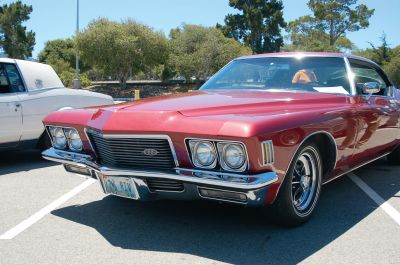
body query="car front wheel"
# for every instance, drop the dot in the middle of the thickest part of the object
(44, 142)
(300, 190)
(394, 157)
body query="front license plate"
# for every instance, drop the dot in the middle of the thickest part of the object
(120, 186)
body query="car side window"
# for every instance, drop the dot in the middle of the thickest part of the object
(4, 84)
(365, 72)
(14, 78)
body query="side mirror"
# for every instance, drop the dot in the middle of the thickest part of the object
(371, 88)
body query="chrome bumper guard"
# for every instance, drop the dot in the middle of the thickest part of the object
(220, 180)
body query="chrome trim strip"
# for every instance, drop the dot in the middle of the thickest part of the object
(132, 136)
(49, 134)
(182, 174)
(306, 138)
(350, 76)
(85, 130)
(101, 182)
(357, 167)
(307, 54)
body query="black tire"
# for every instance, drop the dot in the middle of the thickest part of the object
(394, 157)
(299, 193)
(44, 142)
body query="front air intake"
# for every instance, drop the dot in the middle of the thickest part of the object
(157, 184)
(133, 151)
(222, 195)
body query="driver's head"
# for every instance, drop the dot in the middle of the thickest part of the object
(304, 76)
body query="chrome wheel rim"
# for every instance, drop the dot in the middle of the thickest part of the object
(304, 182)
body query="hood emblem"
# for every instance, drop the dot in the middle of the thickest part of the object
(150, 152)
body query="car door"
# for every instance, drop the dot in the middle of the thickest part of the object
(10, 111)
(377, 115)
(35, 103)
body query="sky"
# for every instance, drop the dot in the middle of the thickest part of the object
(53, 19)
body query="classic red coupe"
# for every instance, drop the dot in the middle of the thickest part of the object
(266, 131)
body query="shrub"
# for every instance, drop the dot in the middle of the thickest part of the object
(67, 77)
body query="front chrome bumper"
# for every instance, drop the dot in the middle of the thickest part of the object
(254, 187)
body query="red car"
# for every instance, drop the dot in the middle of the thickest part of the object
(265, 131)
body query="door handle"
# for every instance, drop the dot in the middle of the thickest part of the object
(14, 105)
(17, 105)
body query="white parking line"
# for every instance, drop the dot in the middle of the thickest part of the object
(10, 234)
(384, 205)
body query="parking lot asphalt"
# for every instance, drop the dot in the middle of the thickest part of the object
(91, 228)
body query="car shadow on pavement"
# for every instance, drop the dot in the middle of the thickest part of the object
(223, 232)
(17, 161)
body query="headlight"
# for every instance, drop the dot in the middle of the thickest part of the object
(65, 137)
(74, 140)
(59, 139)
(203, 153)
(232, 156)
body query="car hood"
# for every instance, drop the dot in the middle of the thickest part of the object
(223, 102)
(236, 113)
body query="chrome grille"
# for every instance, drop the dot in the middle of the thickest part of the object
(133, 152)
(156, 184)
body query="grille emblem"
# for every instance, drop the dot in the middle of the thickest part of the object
(150, 152)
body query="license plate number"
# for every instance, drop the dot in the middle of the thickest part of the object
(120, 186)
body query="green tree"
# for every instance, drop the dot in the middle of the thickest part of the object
(317, 41)
(331, 20)
(392, 65)
(387, 57)
(392, 69)
(200, 51)
(60, 54)
(380, 54)
(15, 40)
(258, 25)
(383, 52)
(122, 49)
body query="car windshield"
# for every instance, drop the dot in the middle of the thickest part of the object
(313, 74)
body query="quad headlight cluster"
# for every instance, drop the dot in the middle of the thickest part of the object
(230, 156)
(65, 138)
